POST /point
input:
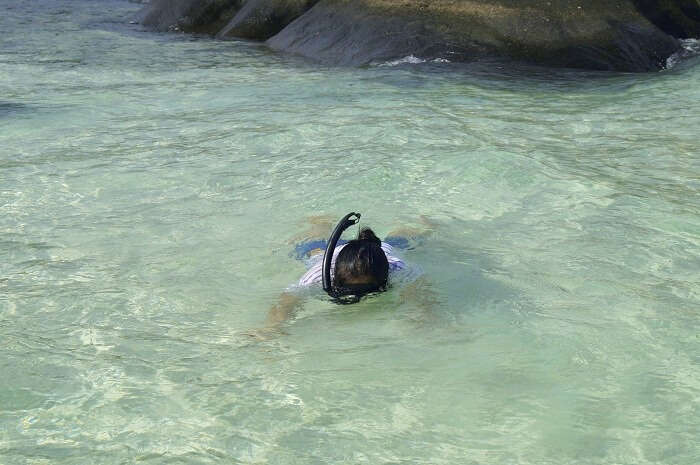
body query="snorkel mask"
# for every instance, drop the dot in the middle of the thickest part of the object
(340, 295)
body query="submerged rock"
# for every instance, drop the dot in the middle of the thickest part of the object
(623, 35)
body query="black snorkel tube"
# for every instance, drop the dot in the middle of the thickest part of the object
(342, 225)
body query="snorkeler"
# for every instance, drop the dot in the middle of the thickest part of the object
(348, 271)
(357, 267)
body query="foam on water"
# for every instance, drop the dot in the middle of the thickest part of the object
(413, 60)
(690, 48)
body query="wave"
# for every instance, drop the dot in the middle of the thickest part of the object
(412, 60)
(689, 49)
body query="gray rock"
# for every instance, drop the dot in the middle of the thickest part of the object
(261, 19)
(679, 18)
(197, 16)
(602, 35)
(623, 35)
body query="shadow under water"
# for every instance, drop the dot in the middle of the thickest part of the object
(8, 109)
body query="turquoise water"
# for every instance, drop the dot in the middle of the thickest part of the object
(151, 190)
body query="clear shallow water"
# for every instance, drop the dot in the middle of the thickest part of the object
(151, 187)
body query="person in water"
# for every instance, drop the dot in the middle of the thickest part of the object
(358, 267)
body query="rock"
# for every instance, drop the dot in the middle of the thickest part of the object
(339, 33)
(622, 35)
(196, 16)
(600, 35)
(679, 18)
(261, 19)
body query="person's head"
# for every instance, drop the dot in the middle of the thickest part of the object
(361, 265)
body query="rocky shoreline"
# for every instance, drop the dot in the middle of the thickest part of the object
(620, 35)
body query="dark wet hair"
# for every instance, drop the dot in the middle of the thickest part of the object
(361, 265)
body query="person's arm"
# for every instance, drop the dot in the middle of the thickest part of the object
(421, 294)
(320, 227)
(283, 310)
(427, 228)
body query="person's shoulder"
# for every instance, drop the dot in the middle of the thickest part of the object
(312, 276)
(387, 248)
(395, 263)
